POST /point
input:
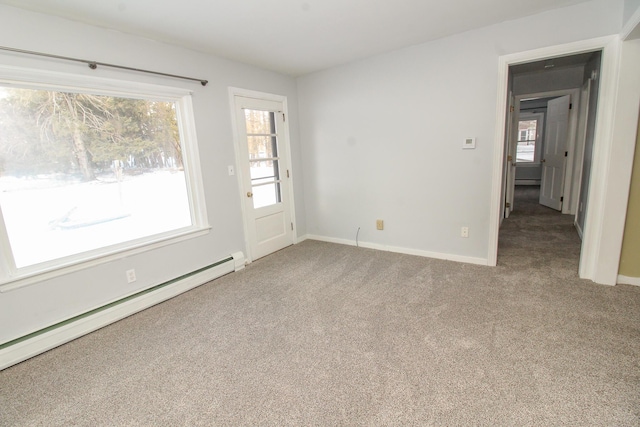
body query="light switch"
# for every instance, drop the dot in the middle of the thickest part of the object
(232, 170)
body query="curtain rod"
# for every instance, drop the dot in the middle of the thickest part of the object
(94, 64)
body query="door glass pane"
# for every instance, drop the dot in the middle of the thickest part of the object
(260, 122)
(262, 142)
(266, 195)
(262, 146)
(527, 134)
(266, 169)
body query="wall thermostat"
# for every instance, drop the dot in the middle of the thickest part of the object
(469, 143)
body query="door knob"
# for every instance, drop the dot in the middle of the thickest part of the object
(249, 194)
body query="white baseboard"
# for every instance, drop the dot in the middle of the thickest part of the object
(55, 337)
(407, 251)
(626, 280)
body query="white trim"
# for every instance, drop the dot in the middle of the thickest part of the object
(581, 142)
(594, 238)
(12, 277)
(23, 350)
(602, 172)
(626, 280)
(191, 162)
(396, 249)
(496, 212)
(233, 92)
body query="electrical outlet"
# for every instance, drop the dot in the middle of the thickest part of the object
(464, 232)
(380, 224)
(131, 276)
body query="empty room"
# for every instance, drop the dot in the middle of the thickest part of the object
(319, 212)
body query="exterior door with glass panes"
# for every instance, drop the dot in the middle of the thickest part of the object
(263, 147)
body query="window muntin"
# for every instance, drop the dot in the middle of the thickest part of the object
(83, 174)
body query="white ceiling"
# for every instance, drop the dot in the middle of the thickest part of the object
(294, 37)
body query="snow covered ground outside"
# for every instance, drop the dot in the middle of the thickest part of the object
(48, 218)
(526, 153)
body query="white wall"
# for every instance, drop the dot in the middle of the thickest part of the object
(30, 308)
(631, 20)
(382, 137)
(630, 8)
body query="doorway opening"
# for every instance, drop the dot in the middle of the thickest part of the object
(549, 136)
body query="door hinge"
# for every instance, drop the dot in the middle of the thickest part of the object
(284, 119)
(507, 205)
(287, 173)
(512, 109)
(509, 158)
(291, 226)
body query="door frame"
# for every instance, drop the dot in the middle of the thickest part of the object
(570, 179)
(581, 142)
(601, 232)
(247, 93)
(510, 150)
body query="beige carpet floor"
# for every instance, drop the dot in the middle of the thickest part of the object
(323, 334)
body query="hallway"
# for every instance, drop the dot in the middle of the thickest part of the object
(537, 236)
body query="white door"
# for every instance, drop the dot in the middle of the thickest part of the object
(512, 130)
(262, 149)
(554, 152)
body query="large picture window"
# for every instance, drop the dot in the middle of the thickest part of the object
(85, 174)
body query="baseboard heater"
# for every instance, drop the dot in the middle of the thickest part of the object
(25, 347)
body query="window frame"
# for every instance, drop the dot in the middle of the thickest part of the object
(12, 277)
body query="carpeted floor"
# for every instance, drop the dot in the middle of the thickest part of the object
(324, 334)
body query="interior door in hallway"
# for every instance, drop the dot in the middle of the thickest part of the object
(510, 166)
(262, 149)
(554, 152)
